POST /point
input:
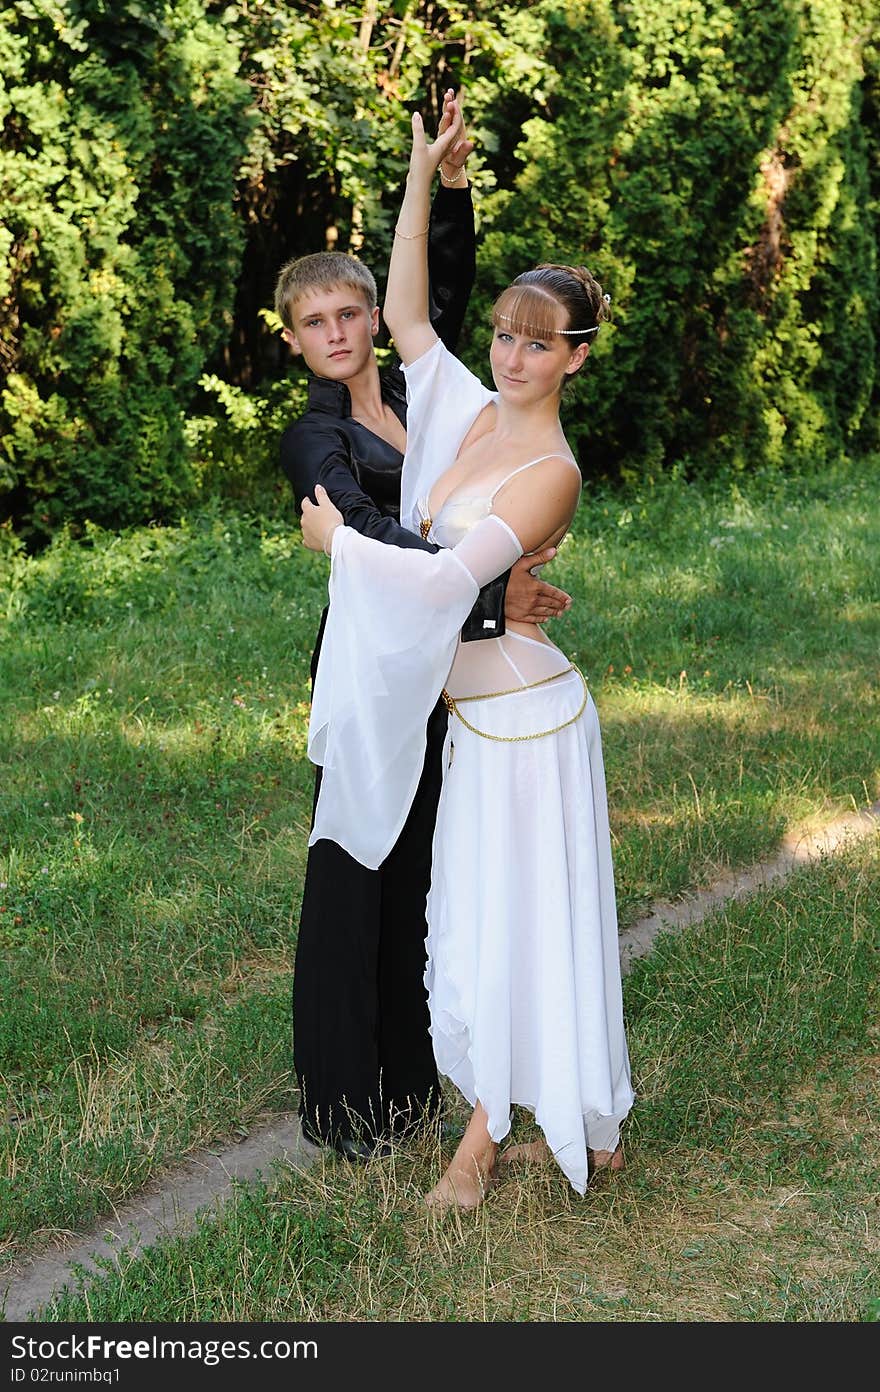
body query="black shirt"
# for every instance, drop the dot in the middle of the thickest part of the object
(360, 470)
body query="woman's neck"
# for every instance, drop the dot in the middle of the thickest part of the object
(521, 423)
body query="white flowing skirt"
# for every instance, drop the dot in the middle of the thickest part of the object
(523, 973)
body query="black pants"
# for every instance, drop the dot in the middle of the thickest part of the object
(362, 1051)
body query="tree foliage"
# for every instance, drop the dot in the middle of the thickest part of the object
(711, 162)
(123, 127)
(716, 164)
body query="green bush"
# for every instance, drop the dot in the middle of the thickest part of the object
(234, 445)
(711, 163)
(124, 128)
(716, 164)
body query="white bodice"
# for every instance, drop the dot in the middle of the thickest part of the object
(456, 518)
(459, 515)
(513, 660)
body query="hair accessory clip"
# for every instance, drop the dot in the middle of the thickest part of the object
(606, 297)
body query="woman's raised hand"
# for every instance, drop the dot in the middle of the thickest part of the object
(406, 308)
(452, 166)
(319, 521)
(425, 159)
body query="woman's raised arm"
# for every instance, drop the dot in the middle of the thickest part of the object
(406, 301)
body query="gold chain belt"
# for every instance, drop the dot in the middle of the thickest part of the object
(452, 705)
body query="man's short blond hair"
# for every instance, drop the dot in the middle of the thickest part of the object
(323, 270)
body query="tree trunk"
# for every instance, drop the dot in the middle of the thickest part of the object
(371, 10)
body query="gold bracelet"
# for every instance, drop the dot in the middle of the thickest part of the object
(411, 237)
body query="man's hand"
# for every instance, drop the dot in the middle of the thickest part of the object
(530, 600)
(452, 168)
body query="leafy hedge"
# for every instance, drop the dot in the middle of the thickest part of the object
(715, 163)
(123, 131)
(712, 163)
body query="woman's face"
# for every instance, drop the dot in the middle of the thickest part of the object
(527, 370)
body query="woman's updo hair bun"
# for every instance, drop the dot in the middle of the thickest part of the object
(598, 303)
(531, 305)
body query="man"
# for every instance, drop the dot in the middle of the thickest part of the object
(362, 1050)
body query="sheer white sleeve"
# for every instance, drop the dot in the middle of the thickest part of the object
(488, 549)
(388, 646)
(444, 398)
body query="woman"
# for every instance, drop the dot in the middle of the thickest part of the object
(523, 973)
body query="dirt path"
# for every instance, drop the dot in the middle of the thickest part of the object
(205, 1180)
(798, 847)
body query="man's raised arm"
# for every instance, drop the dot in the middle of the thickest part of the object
(452, 243)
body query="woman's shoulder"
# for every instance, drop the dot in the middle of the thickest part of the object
(556, 468)
(538, 499)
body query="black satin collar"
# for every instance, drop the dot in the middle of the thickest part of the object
(334, 398)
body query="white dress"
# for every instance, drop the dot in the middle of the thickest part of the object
(523, 972)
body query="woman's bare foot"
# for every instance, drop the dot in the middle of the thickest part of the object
(528, 1153)
(471, 1172)
(460, 1189)
(605, 1160)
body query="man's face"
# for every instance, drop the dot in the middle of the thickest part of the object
(333, 329)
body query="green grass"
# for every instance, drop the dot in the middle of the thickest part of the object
(155, 795)
(734, 648)
(750, 1192)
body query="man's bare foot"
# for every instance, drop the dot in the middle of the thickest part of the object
(529, 1153)
(605, 1160)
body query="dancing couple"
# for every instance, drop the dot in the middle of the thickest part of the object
(522, 973)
